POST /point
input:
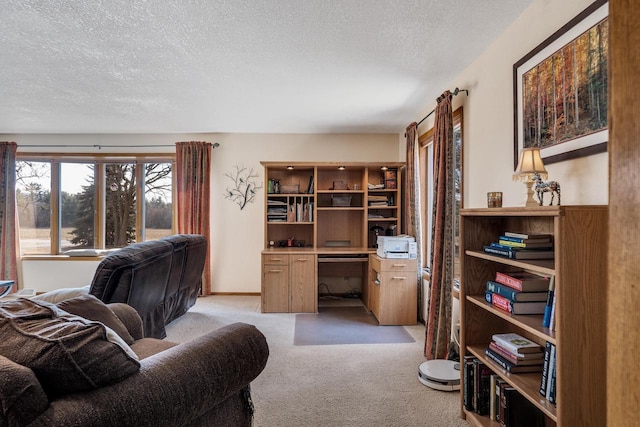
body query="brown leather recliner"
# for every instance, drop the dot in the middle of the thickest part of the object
(161, 279)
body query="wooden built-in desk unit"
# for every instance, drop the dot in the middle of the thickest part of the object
(322, 217)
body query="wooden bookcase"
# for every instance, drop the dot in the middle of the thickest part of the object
(580, 269)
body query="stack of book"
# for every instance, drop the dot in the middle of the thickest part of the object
(515, 354)
(522, 246)
(519, 292)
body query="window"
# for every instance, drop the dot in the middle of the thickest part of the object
(71, 202)
(426, 186)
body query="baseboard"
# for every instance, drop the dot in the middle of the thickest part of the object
(246, 294)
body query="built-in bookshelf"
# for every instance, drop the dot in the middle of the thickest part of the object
(580, 270)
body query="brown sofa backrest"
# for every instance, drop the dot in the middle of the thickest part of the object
(137, 275)
(189, 253)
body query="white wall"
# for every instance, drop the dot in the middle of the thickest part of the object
(237, 235)
(488, 116)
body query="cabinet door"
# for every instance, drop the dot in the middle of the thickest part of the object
(275, 288)
(398, 296)
(302, 284)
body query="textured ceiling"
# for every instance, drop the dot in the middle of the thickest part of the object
(120, 66)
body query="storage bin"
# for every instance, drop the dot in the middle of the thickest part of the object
(290, 188)
(341, 201)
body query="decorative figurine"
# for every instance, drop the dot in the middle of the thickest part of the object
(540, 187)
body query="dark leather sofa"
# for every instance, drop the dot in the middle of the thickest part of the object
(160, 279)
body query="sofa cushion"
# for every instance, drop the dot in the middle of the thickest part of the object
(92, 308)
(58, 295)
(22, 398)
(67, 353)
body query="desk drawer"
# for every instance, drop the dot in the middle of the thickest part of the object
(275, 259)
(398, 265)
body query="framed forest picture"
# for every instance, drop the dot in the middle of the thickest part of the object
(560, 90)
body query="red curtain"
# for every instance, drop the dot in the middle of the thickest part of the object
(9, 241)
(411, 208)
(193, 168)
(438, 333)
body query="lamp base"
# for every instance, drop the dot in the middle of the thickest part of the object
(530, 202)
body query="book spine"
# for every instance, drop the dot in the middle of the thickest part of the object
(468, 383)
(504, 390)
(516, 235)
(498, 359)
(552, 386)
(503, 352)
(499, 385)
(546, 319)
(482, 380)
(512, 282)
(500, 252)
(552, 368)
(552, 320)
(545, 369)
(511, 239)
(504, 291)
(492, 397)
(512, 244)
(488, 296)
(501, 302)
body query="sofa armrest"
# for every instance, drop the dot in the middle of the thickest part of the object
(129, 317)
(173, 387)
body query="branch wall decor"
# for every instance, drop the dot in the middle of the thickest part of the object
(245, 185)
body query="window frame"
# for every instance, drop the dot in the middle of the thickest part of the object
(56, 159)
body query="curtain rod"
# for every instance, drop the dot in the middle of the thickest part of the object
(455, 92)
(100, 146)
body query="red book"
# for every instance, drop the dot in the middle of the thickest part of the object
(523, 281)
(501, 302)
(533, 307)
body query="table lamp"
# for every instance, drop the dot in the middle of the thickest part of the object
(530, 162)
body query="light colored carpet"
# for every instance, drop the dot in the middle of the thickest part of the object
(345, 325)
(373, 385)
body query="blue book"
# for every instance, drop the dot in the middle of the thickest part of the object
(514, 295)
(546, 319)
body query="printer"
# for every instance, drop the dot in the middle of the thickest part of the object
(402, 246)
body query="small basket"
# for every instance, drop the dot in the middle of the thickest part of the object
(290, 188)
(341, 201)
(340, 185)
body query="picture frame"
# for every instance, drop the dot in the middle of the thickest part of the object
(556, 106)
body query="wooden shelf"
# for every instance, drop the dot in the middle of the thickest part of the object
(579, 267)
(526, 384)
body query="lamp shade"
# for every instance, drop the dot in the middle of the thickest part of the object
(529, 163)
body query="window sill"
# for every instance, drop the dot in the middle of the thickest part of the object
(60, 258)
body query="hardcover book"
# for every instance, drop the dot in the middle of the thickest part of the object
(514, 295)
(525, 240)
(523, 281)
(530, 307)
(546, 319)
(514, 253)
(482, 377)
(545, 370)
(531, 359)
(516, 344)
(508, 366)
(519, 412)
(536, 245)
(527, 235)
